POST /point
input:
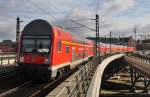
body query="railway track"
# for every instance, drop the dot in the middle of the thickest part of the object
(8, 74)
(32, 89)
(126, 95)
(10, 91)
(9, 81)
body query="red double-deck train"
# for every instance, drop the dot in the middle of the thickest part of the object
(45, 52)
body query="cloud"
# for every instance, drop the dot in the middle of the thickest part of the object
(6, 6)
(115, 15)
(117, 6)
(119, 16)
(7, 30)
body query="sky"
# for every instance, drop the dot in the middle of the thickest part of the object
(118, 16)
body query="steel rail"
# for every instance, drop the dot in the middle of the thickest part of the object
(14, 89)
(7, 74)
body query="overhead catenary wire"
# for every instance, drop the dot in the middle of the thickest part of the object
(83, 20)
(83, 25)
(49, 4)
(38, 7)
(43, 10)
(51, 14)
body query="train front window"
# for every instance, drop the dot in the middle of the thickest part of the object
(28, 45)
(36, 46)
(43, 45)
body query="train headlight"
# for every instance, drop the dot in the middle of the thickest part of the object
(21, 59)
(46, 61)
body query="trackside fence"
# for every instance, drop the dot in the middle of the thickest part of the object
(79, 84)
(7, 58)
(7, 61)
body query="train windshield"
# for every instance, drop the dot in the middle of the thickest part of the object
(36, 46)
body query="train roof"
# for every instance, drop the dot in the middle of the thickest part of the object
(41, 27)
(36, 27)
(68, 36)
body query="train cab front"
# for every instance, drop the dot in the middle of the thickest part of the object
(35, 50)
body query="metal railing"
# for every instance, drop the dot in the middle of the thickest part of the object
(7, 62)
(7, 58)
(79, 84)
(142, 58)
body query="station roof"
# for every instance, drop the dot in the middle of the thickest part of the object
(114, 40)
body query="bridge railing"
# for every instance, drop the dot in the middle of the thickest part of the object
(142, 58)
(78, 85)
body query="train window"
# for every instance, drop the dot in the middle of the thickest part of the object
(43, 45)
(67, 49)
(36, 45)
(59, 46)
(28, 45)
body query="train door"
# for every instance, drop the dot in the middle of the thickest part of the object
(73, 54)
